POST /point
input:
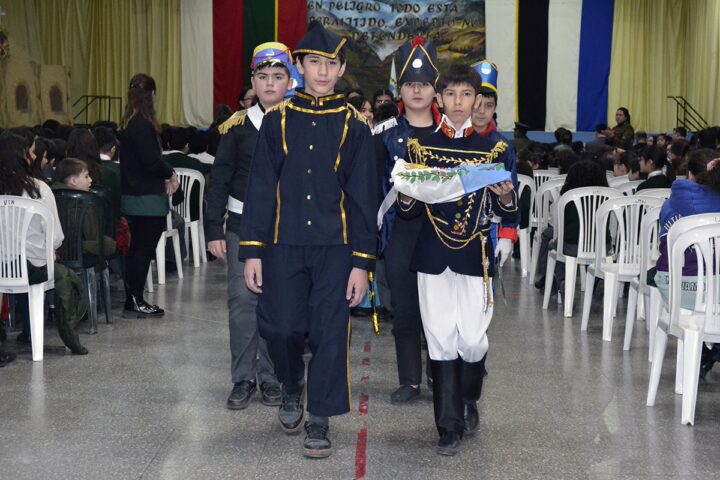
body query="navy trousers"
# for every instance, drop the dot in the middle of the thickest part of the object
(304, 297)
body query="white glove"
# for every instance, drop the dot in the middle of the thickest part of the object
(503, 250)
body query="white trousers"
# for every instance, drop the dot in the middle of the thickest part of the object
(454, 316)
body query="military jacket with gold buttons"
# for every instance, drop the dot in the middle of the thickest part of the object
(455, 235)
(312, 180)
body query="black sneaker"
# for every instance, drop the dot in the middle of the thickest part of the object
(240, 396)
(291, 412)
(405, 394)
(271, 394)
(316, 444)
(6, 357)
(448, 444)
(472, 418)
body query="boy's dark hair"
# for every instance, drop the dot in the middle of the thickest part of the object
(708, 137)
(626, 158)
(180, 137)
(682, 131)
(600, 127)
(106, 138)
(565, 159)
(301, 56)
(457, 74)
(199, 142)
(635, 165)
(69, 167)
(563, 135)
(697, 164)
(358, 102)
(578, 147)
(264, 65)
(385, 111)
(356, 90)
(640, 136)
(380, 92)
(584, 174)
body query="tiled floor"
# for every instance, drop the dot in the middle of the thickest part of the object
(148, 403)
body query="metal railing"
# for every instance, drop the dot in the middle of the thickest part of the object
(103, 102)
(686, 116)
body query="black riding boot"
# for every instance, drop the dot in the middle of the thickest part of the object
(448, 404)
(472, 381)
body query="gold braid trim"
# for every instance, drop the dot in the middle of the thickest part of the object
(237, 118)
(356, 113)
(279, 106)
(424, 153)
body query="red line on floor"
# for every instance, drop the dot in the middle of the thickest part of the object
(361, 453)
(361, 446)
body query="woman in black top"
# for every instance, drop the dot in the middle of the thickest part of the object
(146, 181)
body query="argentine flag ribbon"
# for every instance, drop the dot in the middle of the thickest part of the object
(440, 185)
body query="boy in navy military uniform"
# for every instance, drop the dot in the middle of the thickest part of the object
(453, 256)
(250, 362)
(419, 117)
(308, 236)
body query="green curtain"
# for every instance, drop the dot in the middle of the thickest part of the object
(104, 42)
(661, 48)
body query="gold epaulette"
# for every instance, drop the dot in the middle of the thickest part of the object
(237, 118)
(279, 106)
(359, 116)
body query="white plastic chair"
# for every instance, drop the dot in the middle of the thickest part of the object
(663, 193)
(586, 200)
(692, 328)
(541, 176)
(188, 179)
(16, 213)
(624, 263)
(629, 188)
(639, 288)
(174, 235)
(614, 181)
(545, 196)
(525, 183)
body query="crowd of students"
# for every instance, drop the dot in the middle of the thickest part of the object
(306, 228)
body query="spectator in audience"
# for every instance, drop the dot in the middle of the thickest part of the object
(355, 92)
(247, 99)
(565, 160)
(663, 140)
(199, 147)
(178, 157)
(677, 153)
(38, 166)
(108, 146)
(700, 193)
(623, 133)
(146, 182)
(382, 96)
(73, 174)
(82, 145)
(660, 173)
(385, 111)
(621, 165)
(581, 174)
(564, 140)
(70, 298)
(520, 139)
(679, 133)
(709, 138)
(364, 106)
(635, 173)
(596, 144)
(641, 142)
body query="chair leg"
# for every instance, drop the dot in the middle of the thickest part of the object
(692, 340)
(203, 244)
(91, 285)
(679, 367)
(106, 294)
(534, 256)
(583, 271)
(178, 254)
(656, 366)
(194, 236)
(523, 239)
(160, 259)
(608, 299)
(36, 301)
(630, 317)
(149, 281)
(548, 280)
(652, 316)
(570, 278)
(587, 301)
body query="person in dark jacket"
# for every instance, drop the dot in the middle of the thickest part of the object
(653, 162)
(250, 362)
(146, 183)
